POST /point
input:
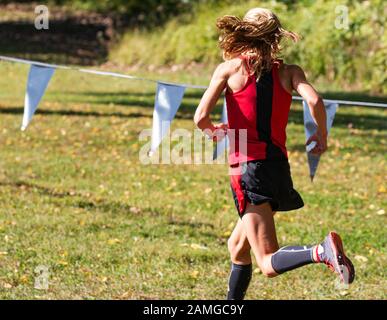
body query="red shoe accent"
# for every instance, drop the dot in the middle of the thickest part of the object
(318, 257)
(340, 258)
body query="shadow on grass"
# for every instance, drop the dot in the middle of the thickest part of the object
(79, 199)
(34, 187)
(75, 113)
(137, 99)
(191, 94)
(194, 226)
(182, 114)
(358, 121)
(186, 111)
(353, 96)
(190, 224)
(198, 93)
(113, 207)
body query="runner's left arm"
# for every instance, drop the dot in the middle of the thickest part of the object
(316, 106)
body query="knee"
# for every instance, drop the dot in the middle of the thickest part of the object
(238, 250)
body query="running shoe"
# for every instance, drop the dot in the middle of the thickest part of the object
(334, 257)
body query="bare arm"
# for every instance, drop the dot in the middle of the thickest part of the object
(316, 106)
(208, 102)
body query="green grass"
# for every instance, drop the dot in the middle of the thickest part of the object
(75, 198)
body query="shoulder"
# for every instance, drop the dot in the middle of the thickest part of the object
(227, 68)
(293, 69)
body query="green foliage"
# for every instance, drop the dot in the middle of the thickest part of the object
(182, 40)
(352, 58)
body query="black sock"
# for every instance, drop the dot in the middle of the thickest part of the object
(291, 257)
(239, 280)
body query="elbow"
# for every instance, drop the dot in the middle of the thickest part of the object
(199, 118)
(196, 119)
(315, 101)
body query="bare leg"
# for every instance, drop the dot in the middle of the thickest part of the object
(238, 245)
(241, 269)
(258, 223)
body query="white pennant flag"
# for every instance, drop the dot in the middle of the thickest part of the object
(222, 144)
(167, 102)
(38, 79)
(310, 129)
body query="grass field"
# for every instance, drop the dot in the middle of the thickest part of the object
(75, 198)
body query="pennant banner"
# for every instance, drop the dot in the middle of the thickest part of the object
(310, 129)
(224, 143)
(167, 102)
(38, 79)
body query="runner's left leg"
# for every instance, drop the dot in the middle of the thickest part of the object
(259, 226)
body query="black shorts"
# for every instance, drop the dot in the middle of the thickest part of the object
(261, 181)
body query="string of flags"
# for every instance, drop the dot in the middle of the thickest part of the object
(168, 99)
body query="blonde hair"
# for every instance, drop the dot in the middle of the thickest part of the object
(257, 35)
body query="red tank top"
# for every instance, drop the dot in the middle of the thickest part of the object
(262, 108)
